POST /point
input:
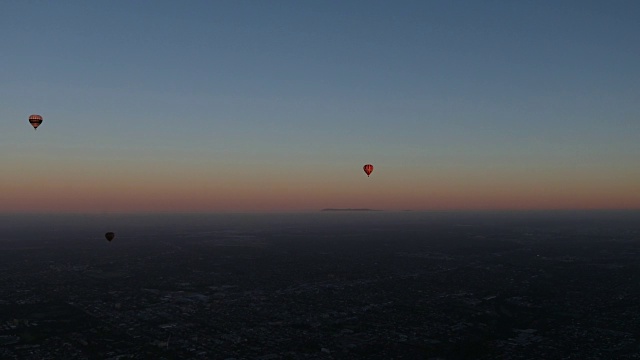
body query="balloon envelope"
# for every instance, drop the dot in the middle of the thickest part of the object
(35, 121)
(109, 236)
(368, 169)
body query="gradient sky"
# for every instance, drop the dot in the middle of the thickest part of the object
(277, 105)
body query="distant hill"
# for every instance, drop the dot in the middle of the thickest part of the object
(349, 209)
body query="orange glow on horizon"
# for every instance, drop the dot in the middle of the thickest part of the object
(150, 187)
(279, 196)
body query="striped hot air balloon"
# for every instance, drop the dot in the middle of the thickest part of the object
(368, 169)
(35, 121)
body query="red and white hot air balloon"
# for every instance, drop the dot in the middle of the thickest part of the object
(35, 121)
(368, 169)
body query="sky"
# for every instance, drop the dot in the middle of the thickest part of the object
(243, 106)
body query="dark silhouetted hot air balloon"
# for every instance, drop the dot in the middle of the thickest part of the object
(109, 236)
(35, 121)
(368, 169)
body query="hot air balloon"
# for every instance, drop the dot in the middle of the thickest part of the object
(35, 121)
(109, 236)
(368, 169)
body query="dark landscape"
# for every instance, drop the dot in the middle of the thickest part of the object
(326, 285)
